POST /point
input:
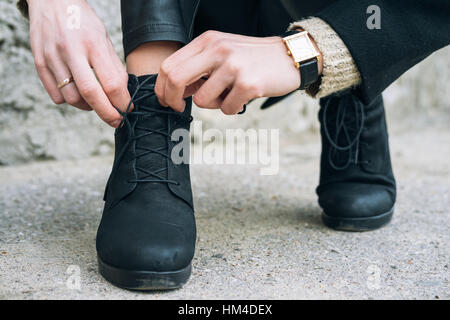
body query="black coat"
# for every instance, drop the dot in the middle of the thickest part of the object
(410, 31)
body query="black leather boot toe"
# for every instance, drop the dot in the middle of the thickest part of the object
(146, 238)
(357, 187)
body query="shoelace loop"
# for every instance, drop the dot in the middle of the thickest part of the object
(345, 119)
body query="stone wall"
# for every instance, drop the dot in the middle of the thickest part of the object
(33, 128)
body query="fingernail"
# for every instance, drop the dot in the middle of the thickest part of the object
(115, 123)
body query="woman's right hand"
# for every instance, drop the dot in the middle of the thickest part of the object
(69, 40)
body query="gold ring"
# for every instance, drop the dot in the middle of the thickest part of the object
(65, 82)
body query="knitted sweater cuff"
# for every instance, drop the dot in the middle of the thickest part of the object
(339, 69)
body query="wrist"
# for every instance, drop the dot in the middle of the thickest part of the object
(290, 73)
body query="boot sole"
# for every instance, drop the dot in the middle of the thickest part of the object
(144, 280)
(358, 224)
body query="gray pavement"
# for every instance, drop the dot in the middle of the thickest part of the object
(259, 237)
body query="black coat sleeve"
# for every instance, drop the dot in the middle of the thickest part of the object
(410, 31)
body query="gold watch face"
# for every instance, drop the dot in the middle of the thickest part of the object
(301, 47)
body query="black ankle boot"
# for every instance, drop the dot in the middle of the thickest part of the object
(146, 238)
(357, 187)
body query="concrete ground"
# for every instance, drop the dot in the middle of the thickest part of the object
(259, 237)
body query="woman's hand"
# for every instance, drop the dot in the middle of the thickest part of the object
(69, 40)
(238, 69)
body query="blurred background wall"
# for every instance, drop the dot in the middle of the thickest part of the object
(33, 128)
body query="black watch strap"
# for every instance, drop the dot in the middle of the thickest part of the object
(309, 73)
(289, 33)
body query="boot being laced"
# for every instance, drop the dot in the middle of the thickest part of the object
(146, 238)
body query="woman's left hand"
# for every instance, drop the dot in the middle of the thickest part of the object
(237, 69)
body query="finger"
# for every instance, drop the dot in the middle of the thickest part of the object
(179, 78)
(210, 94)
(92, 92)
(121, 68)
(235, 100)
(60, 72)
(193, 88)
(44, 73)
(49, 82)
(194, 47)
(112, 76)
(172, 64)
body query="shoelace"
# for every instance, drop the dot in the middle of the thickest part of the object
(344, 120)
(146, 111)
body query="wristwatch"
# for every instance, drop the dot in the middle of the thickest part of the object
(306, 57)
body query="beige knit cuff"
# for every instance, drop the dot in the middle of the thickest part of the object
(339, 68)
